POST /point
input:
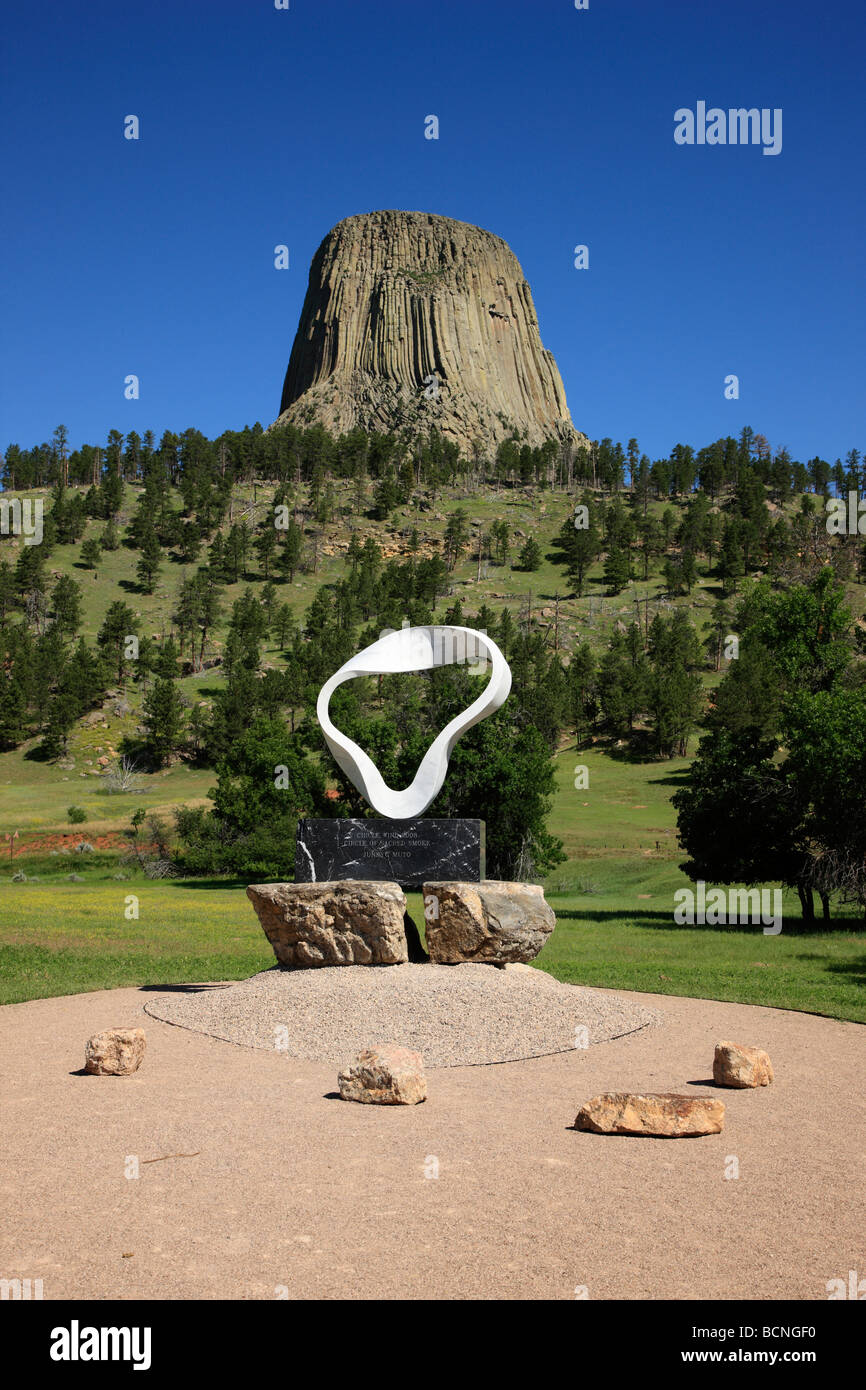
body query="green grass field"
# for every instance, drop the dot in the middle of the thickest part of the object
(613, 899)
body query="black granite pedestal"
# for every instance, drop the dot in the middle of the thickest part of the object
(408, 852)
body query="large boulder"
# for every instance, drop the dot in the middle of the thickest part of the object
(385, 1076)
(667, 1116)
(490, 921)
(739, 1066)
(341, 922)
(114, 1052)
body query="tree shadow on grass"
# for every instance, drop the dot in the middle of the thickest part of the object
(855, 968)
(651, 917)
(673, 779)
(637, 748)
(208, 883)
(39, 754)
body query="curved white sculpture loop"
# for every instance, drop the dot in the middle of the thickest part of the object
(414, 649)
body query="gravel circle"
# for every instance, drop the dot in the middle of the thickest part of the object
(454, 1015)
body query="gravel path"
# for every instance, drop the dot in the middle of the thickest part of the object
(455, 1016)
(283, 1187)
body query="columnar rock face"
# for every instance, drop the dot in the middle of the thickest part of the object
(350, 922)
(413, 320)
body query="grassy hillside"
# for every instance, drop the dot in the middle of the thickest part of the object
(34, 796)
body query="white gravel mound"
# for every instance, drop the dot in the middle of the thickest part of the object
(454, 1015)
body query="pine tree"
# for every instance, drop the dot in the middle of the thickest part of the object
(266, 544)
(291, 550)
(147, 567)
(110, 539)
(118, 626)
(617, 571)
(91, 553)
(530, 556)
(456, 536)
(163, 720)
(66, 604)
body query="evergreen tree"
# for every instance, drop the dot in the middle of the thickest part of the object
(147, 568)
(265, 782)
(66, 605)
(110, 538)
(456, 536)
(118, 625)
(290, 551)
(530, 556)
(91, 553)
(163, 720)
(59, 721)
(616, 570)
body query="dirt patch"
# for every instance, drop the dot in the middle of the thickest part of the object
(60, 841)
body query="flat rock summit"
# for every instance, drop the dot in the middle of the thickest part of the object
(413, 320)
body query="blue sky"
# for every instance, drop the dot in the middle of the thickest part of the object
(259, 127)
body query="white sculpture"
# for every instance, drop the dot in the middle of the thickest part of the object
(414, 649)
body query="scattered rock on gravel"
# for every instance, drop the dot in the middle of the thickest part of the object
(669, 1116)
(737, 1065)
(114, 1052)
(385, 1076)
(342, 922)
(490, 921)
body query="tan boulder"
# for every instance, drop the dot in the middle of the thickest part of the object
(739, 1066)
(114, 1052)
(339, 922)
(668, 1116)
(491, 921)
(385, 1075)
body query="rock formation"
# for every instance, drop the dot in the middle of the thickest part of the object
(413, 320)
(665, 1116)
(385, 1075)
(114, 1052)
(739, 1066)
(350, 922)
(489, 921)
